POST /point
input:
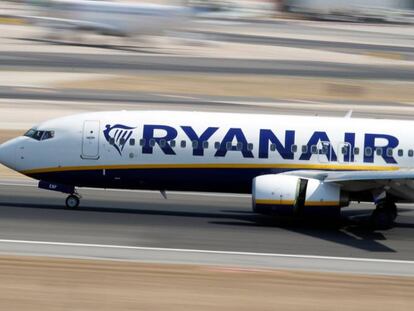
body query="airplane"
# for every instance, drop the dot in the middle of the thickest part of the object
(291, 165)
(123, 19)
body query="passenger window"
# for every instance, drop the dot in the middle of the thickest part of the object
(132, 142)
(122, 141)
(345, 150)
(379, 151)
(272, 147)
(172, 144)
(314, 149)
(250, 147)
(217, 145)
(152, 142)
(228, 145)
(400, 152)
(239, 146)
(205, 144)
(356, 150)
(112, 141)
(183, 144)
(410, 153)
(389, 152)
(368, 151)
(304, 149)
(142, 142)
(162, 143)
(194, 144)
(294, 148)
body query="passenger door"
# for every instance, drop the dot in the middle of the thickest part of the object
(90, 140)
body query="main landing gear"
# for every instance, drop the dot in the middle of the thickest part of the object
(384, 215)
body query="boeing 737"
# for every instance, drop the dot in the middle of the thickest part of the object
(290, 164)
(110, 18)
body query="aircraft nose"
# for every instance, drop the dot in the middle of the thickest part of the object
(8, 154)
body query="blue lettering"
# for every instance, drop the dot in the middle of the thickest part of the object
(148, 135)
(350, 140)
(199, 151)
(313, 141)
(267, 136)
(370, 142)
(234, 133)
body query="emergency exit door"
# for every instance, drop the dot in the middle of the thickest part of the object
(90, 140)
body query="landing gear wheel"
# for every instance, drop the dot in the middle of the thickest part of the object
(72, 201)
(384, 216)
(394, 211)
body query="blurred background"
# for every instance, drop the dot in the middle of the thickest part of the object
(305, 57)
(285, 56)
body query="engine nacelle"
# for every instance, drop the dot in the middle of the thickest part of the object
(289, 195)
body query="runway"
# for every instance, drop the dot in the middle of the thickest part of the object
(164, 63)
(78, 100)
(343, 47)
(198, 229)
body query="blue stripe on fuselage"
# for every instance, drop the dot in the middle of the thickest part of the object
(237, 180)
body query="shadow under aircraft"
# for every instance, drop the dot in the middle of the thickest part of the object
(352, 229)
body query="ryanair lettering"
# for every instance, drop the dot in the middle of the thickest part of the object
(235, 141)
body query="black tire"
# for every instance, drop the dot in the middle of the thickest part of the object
(390, 207)
(72, 201)
(394, 211)
(382, 219)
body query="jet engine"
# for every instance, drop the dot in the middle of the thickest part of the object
(288, 195)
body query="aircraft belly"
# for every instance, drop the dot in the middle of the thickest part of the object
(403, 190)
(188, 179)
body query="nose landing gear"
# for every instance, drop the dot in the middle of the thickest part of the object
(72, 201)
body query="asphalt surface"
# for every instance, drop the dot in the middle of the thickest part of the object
(132, 63)
(222, 223)
(343, 47)
(365, 31)
(131, 97)
(94, 100)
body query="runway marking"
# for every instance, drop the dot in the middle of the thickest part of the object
(175, 96)
(181, 250)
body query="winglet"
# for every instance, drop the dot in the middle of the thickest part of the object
(348, 114)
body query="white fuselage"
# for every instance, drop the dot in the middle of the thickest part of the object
(203, 151)
(126, 19)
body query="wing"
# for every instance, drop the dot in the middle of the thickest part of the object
(399, 183)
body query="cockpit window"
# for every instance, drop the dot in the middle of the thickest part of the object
(39, 135)
(48, 135)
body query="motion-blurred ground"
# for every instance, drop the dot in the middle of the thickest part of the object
(65, 284)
